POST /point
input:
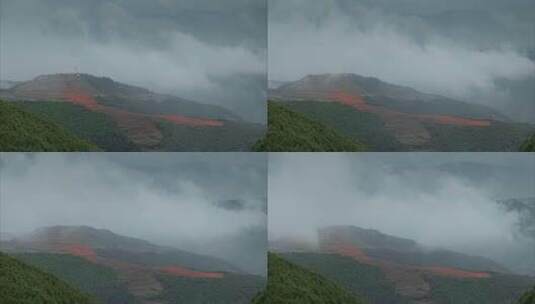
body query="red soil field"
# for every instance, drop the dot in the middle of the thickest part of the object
(457, 121)
(358, 102)
(82, 251)
(455, 273)
(140, 128)
(80, 97)
(351, 100)
(352, 251)
(190, 121)
(184, 272)
(359, 255)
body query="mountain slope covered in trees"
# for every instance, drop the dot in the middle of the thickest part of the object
(289, 283)
(21, 130)
(24, 284)
(292, 131)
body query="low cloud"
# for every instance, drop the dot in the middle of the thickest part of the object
(169, 209)
(412, 198)
(403, 46)
(152, 45)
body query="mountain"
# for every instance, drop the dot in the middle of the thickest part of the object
(147, 120)
(120, 269)
(292, 131)
(368, 244)
(410, 120)
(24, 131)
(21, 284)
(528, 145)
(387, 269)
(289, 283)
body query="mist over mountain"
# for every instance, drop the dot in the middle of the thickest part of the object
(166, 199)
(475, 51)
(196, 49)
(429, 198)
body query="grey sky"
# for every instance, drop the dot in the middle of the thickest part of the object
(439, 199)
(462, 49)
(169, 198)
(190, 48)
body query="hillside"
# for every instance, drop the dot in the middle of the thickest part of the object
(388, 269)
(21, 283)
(528, 145)
(387, 117)
(528, 298)
(292, 131)
(234, 289)
(369, 245)
(121, 117)
(289, 283)
(119, 269)
(21, 131)
(103, 283)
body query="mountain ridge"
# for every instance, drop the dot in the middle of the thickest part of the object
(143, 119)
(417, 121)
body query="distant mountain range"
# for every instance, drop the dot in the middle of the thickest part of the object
(381, 268)
(136, 269)
(94, 107)
(403, 118)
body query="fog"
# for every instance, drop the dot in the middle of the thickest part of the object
(193, 49)
(476, 51)
(170, 199)
(441, 200)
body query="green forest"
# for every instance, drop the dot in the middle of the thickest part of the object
(289, 283)
(24, 284)
(23, 131)
(291, 131)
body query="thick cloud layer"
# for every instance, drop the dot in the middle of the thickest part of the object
(193, 49)
(169, 199)
(466, 50)
(439, 200)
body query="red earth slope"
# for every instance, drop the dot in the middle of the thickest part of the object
(410, 281)
(140, 128)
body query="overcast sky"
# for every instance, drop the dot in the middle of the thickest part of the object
(211, 51)
(174, 199)
(469, 50)
(438, 199)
